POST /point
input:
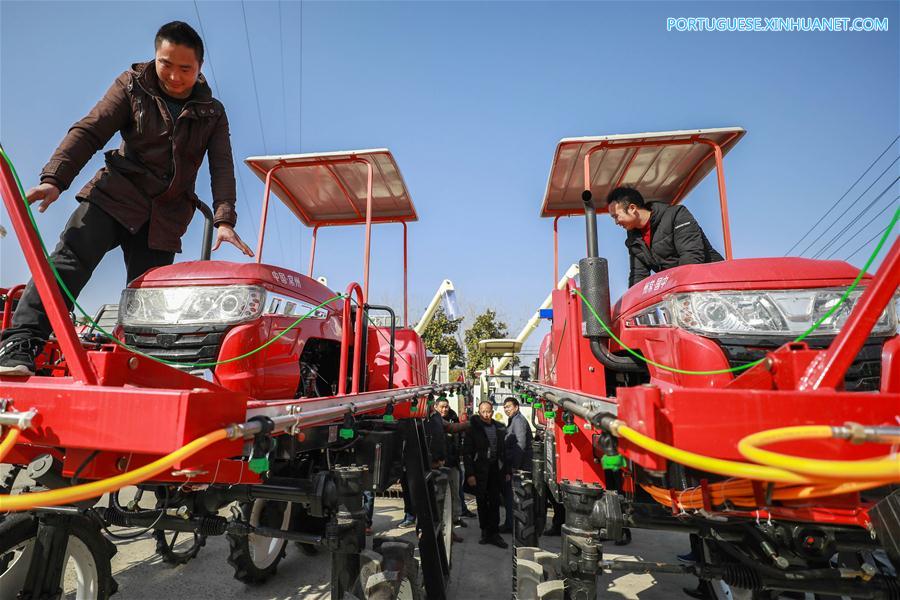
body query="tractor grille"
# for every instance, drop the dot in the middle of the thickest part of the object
(864, 375)
(188, 344)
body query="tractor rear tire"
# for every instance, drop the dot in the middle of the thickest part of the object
(180, 554)
(254, 557)
(90, 552)
(525, 530)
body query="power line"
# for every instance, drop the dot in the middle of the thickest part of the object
(300, 104)
(858, 198)
(863, 228)
(859, 214)
(283, 93)
(215, 83)
(872, 239)
(262, 131)
(828, 212)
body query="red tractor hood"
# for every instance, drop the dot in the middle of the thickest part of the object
(219, 272)
(740, 274)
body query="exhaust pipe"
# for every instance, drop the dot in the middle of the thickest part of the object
(595, 288)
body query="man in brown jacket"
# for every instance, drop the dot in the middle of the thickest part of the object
(143, 198)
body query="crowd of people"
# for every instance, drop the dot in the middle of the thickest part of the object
(479, 453)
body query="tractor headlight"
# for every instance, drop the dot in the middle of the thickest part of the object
(764, 312)
(213, 305)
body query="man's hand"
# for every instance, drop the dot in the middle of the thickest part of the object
(226, 233)
(471, 480)
(47, 193)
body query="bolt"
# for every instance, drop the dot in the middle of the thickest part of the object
(183, 513)
(769, 364)
(133, 363)
(781, 562)
(868, 570)
(122, 463)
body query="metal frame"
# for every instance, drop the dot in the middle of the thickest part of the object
(139, 409)
(368, 220)
(715, 153)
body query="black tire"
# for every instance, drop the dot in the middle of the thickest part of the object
(17, 535)
(250, 565)
(525, 529)
(7, 482)
(444, 501)
(173, 554)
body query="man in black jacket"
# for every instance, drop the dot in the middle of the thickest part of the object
(484, 457)
(452, 429)
(518, 453)
(660, 236)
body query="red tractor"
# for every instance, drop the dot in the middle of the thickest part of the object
(653, 412)
(224, 383)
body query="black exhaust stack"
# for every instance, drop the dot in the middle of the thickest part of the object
(594, 272)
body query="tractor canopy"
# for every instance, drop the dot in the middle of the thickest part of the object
(663, 166)
(330, 188)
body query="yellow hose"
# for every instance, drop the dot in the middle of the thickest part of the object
(21, 502)
(8, 442)
(712, 465)
(885, 468)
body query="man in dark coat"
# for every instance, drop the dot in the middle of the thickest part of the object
(484, 452)
(518, 453)
(451, 431)
(660, 236)
(143, 198)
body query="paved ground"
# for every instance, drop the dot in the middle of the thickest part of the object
(479, 572)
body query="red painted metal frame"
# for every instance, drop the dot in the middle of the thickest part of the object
(312, 257)
(369, 220)
(352, 289)
(44, 280)
(716, 152)
(12, 295)
(828, 369)
(370, 171)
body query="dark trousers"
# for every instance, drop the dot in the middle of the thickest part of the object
(87, 237)
(408, 510)
(488, 481)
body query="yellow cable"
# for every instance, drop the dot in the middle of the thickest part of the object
(711, 465)
(8, 442)
(21, 502)
(885, 468)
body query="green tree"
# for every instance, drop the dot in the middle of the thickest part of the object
(440, 337)
(484, 327)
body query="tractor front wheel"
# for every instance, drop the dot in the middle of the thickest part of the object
(86, 574)
(254, 557)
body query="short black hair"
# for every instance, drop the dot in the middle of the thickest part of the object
(488, 402)
(512, 401)
(179, 32)
(626, 194)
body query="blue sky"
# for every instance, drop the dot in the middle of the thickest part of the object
(472, 99)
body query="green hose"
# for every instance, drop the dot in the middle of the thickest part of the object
(96, 326)
(800, 338)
